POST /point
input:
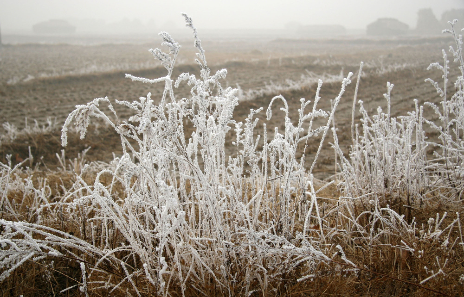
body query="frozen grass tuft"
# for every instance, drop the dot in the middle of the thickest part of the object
(177, 215)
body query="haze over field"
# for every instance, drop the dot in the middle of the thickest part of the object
(18, 16)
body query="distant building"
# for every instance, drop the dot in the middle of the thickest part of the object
(321, 30)
(387, 27)
(58, 27)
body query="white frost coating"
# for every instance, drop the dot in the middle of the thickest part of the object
(161, 273)
(83, 287)
(311, 276)
(145, 80)
(440, 271)
(6, 274)
(343, 256)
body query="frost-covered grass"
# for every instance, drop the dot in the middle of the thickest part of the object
(306, 81)
(177, 215)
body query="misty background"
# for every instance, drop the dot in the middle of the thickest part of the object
(272, 18)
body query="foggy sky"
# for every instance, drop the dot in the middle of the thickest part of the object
(20, 15)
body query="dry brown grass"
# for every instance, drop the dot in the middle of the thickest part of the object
(382, 267)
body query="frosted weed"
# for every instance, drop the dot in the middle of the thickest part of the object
(176, 215)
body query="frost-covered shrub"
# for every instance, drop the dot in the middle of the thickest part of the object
(388, 183)
(449, 156)
(176, 210)
(388, 156)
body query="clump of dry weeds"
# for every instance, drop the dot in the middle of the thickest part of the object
(175, 215)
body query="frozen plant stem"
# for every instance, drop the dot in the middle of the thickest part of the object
(346, 81)
(354, 101)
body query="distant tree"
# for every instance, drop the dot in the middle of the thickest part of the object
(54, 27)
(387, 27)
(453, 14)
(427, 23)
